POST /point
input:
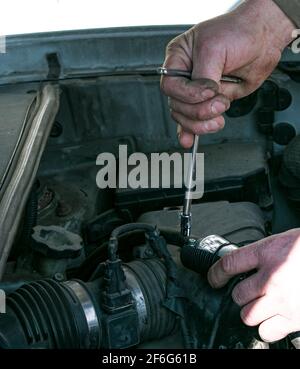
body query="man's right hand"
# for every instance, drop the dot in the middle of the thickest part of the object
(246, 43)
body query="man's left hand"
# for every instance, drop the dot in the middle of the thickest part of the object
(270, 298)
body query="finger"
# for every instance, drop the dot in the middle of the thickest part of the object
(275, 329)
(249, 289)
(234, 91)
(258, 311)
(239, 261)
(202, 111)
(200, 127)
(186, 140)
(188, 91)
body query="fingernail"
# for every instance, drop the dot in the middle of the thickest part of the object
(211, 126)
(207, 94)
(218, 107)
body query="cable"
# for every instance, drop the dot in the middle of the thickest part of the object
(225, 302)
(123, 229)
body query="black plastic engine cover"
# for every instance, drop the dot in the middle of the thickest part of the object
(240, 223)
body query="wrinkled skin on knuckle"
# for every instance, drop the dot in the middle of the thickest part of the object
(238, 297)
(250, 288)
(166, 86)
(195, 113)
(200, 113)
(173, 45)
(176, 43)
(200, 129)
(227, 264)
(197, 129)
(238, 294)
(193, 95)
(179, 48)
(194, 90)
(273, 254)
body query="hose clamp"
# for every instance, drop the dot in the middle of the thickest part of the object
(89, 311)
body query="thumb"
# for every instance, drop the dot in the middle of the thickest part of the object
(211, 65)
(208, 64)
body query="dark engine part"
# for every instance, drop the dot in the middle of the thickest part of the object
(248, 182)
(127, 304)
(147, 282)
(47, 314)
(289, 174)
(240, 223)
(119, 310)
(199, 256)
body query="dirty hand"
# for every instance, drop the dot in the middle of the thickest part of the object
(269, 298)
(245, 43)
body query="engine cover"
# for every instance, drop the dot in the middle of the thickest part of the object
(240, 223)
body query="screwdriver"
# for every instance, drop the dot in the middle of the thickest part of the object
(186, 214)
(183, 73)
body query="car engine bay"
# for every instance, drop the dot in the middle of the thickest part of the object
(84, 267)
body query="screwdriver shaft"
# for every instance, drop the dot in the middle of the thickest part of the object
(186, 214)
(190, 178)
(182, 73)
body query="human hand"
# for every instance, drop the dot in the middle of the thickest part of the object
(270, 298)
(246, 43)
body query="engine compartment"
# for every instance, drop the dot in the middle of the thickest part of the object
(67, 283)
